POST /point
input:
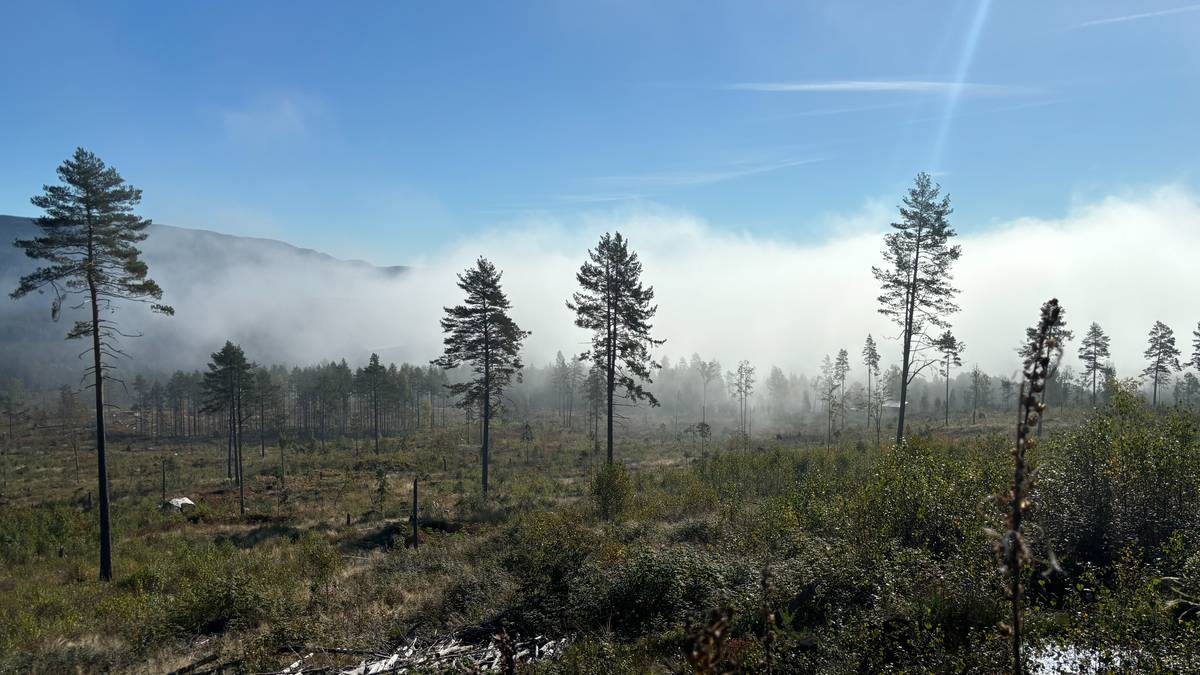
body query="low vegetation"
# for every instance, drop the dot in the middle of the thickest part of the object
(833, 559)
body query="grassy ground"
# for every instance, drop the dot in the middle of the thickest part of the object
(828, 559)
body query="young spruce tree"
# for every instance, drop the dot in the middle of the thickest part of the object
(616, 307)
(89, 237)
(481, 334)
(915, 279)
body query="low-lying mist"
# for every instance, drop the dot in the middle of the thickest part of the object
(1123, 262)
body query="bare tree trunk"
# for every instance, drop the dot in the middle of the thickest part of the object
(414, 515)
(947, 391)
(909, 317)
(229, 442)
(487, 413)
(101, 458)
(483, 452)
(868, 398)
(75, 449)
(241, 477)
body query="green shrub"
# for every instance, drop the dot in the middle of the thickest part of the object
(545, 548)
(653, 590)
(475, 594)
(215, 587)
(318, 559)
(611, 491)
(1126, 476)
(27, 533)
(925, 495)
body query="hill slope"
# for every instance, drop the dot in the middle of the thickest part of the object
(254, 291)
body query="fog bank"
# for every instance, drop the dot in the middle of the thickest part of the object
(1124, 262)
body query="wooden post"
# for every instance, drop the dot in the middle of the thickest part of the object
(164, 480)
(414, 514)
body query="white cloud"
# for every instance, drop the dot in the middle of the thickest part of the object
(268, 119)
(599, 198)
(1139, 16)
(688, 178)
(822, 112)
(910, 86)
(1123, 262)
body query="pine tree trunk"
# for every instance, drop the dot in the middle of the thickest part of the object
(262, 438)
(868, 398)
(241, 478)
(101, 459)
(414, 515)
(483, 452)
(947, 391)
(903, 388)
(229, 442)
(487, 415)
(609, 428)
(909, 312)
(878, 425)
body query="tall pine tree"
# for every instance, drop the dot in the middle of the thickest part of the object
(1195, 360)
(915, 279)
(89, 237)
(228, 383)
(841, 369)
(373, 377)
(951, 350)
(827, 385)
(481, 334)
(870, 354)
(1093, 353)
(708, 370)
(741, 387)
(616, 307)
(1163, 356)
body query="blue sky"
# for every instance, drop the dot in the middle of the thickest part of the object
(387, 131)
